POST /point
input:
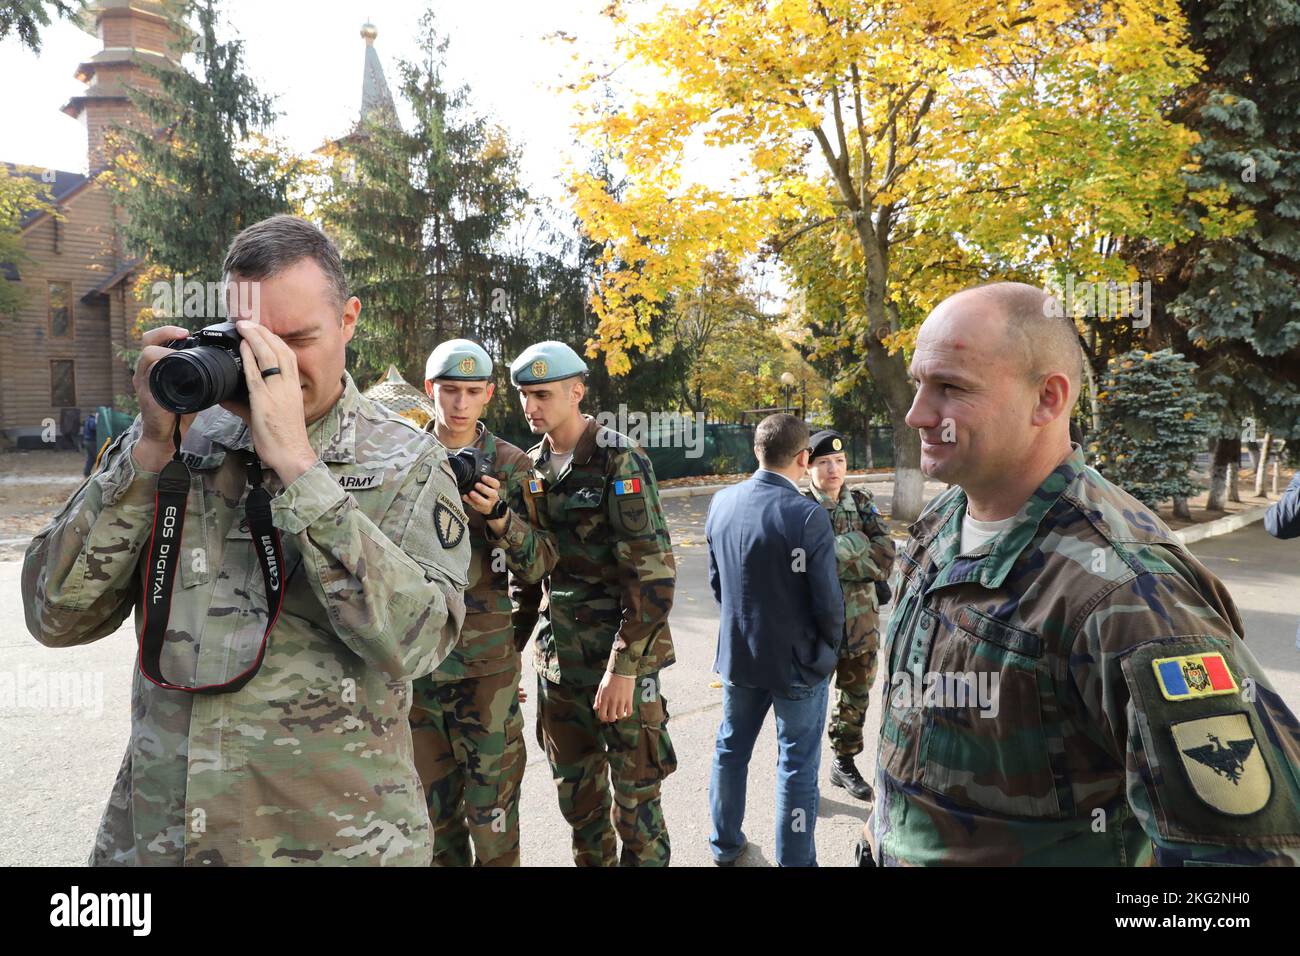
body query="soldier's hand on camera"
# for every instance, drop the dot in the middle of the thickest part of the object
(483, 497)
(614, 697)
(154, 448)
(275, 406)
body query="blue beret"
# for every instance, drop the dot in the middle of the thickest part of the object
(546, 362)
(459, 359)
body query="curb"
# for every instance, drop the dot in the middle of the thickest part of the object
(1210, 529)
(1224, 525)
(694, 490)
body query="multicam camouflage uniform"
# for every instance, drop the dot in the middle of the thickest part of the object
(606, 608)
(311, 761)
(864, 554)
(1091, 616)
(466, 721)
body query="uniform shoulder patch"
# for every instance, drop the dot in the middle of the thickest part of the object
(1223, 763)
(1193, 676)
(448, 522)
(628, 486)
(865, 499)
(632, 513)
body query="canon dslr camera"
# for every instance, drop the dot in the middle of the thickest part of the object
(469, 465)
(206, 369)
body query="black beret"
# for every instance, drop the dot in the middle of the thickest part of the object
(827, 442)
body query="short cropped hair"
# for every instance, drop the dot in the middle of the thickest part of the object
(1038, 330)
(779, 439)
(267, 248)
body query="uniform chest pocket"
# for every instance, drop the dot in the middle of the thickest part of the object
(581, 507)
(991, 736)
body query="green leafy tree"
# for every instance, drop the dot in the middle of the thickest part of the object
(1228, 297)
(21, 191)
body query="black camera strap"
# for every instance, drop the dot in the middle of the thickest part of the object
(164, 554)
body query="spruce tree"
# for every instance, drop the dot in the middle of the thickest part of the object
(1153, 425)
(421, 215)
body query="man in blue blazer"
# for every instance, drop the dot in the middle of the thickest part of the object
(772, 568)
(1282, 520)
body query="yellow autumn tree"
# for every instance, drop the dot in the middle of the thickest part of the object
(880, 122)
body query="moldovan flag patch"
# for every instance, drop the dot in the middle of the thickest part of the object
(631, 486)
(1193, 676)
(534, 486)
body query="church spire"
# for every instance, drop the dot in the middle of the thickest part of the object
(375, 98)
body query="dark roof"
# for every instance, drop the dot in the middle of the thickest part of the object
(58, 189)
(376, 101)
(114, 279)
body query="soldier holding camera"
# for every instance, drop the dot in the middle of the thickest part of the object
(270, 710)
(465, 720)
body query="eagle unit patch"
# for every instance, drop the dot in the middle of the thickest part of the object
(1193, 676)
(448, 522)
(1221, 758)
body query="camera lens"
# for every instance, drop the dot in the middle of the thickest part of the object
(195, 379)
(464, 465)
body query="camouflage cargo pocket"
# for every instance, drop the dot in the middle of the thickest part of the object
(656, 758)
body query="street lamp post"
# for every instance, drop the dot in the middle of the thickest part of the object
(787, 390)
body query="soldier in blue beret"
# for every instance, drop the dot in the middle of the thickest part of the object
(467, 727)
(604, 635)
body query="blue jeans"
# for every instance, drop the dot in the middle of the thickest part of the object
(800, 718)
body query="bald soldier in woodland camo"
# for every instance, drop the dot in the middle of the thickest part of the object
(1067, 683)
